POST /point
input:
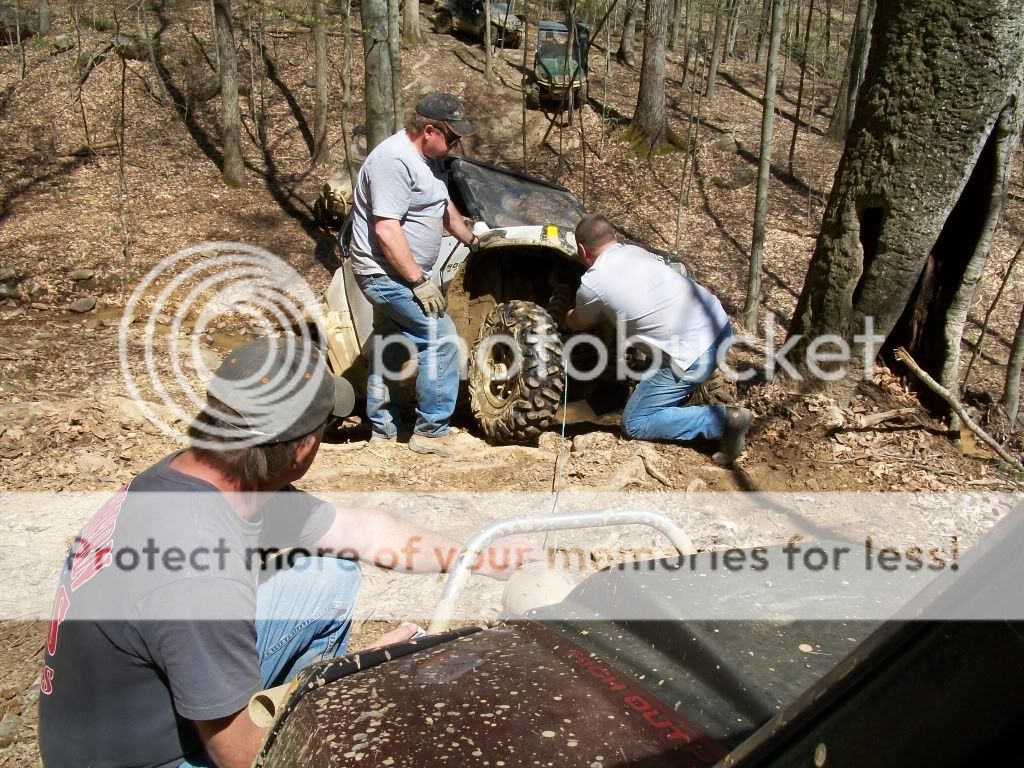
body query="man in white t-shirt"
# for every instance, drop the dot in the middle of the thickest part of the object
(669, 315)
(400, 207)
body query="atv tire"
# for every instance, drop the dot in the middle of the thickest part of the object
(517, 408)
(443, 23)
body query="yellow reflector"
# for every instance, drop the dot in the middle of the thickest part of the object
(551, 231)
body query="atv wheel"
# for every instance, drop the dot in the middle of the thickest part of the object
(510, 405)
(443, 23)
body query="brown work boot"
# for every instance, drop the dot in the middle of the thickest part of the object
(737, 424)
(445, 445)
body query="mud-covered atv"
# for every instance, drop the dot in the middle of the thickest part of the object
(518, 285)
(470, 16)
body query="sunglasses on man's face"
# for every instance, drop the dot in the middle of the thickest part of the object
(450, 139)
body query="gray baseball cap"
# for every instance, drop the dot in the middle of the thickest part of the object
(280, 389)
(447, 108)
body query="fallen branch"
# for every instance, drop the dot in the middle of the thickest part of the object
(904, 356)
(646, 454)
(85, 149)
(879, 418)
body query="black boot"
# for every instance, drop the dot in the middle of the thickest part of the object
(737, 423)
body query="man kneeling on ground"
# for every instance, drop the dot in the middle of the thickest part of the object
(678, 321)
(164, 626)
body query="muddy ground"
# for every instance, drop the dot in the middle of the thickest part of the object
(72, 226)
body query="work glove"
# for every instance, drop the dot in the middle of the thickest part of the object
(430, 298)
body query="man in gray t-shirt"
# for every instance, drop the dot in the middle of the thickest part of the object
(168, 616)
(679, 321)
(400, 206)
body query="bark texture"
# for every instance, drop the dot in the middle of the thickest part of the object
(231, 122)
(764, 166)
(321, 149)
(380, 116)
(411, 32)
(648, 124)
(625, 52)
(920, 182)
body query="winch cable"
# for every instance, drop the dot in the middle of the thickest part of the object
(559, 460)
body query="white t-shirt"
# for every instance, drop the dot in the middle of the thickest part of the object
(657, 305)
(397, 182)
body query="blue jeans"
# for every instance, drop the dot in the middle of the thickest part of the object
(435, 342)
(303, 615)
(653, 411)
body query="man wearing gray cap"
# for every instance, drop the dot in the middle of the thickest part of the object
(170, 614)
(400, 204)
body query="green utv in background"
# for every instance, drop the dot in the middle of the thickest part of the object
(556, 72)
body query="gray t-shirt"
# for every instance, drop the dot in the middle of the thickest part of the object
(397, 182)
(654, 304)
(144, 639)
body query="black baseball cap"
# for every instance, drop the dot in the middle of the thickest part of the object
(280, 389)
(449, 109)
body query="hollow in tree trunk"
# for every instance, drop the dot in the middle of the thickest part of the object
(231, 122)
(919, 187)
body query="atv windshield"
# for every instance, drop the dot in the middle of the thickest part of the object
(504, 199)
(552, 62)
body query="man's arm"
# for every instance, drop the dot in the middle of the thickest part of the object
(396, 248)
(232, 741)
(586, 312)
(575, 323)
(394, 542)
(453, 223)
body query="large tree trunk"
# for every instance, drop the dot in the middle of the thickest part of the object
(764, 166)
(919, 184)
(321, 149)
(231, 121)
(648, 125)
(625, 52)
(677, 11)
(857, 61)
(411, 32)
(716, 50)
(731, 31)
(380, 106)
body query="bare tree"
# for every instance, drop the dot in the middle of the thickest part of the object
(764, 32)
(764, 165)
(735, 9)
(44, 17)
(800, 88)
(716, 50)
(676, 13)
(625, 52)
(648, 126)
(1011, 390)
(321, 149)
(411, 32)
(857, 61)
(233, 171)
(488, 63)
(377, 81)
(395, 54)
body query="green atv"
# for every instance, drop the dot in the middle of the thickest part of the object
(558, 74)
